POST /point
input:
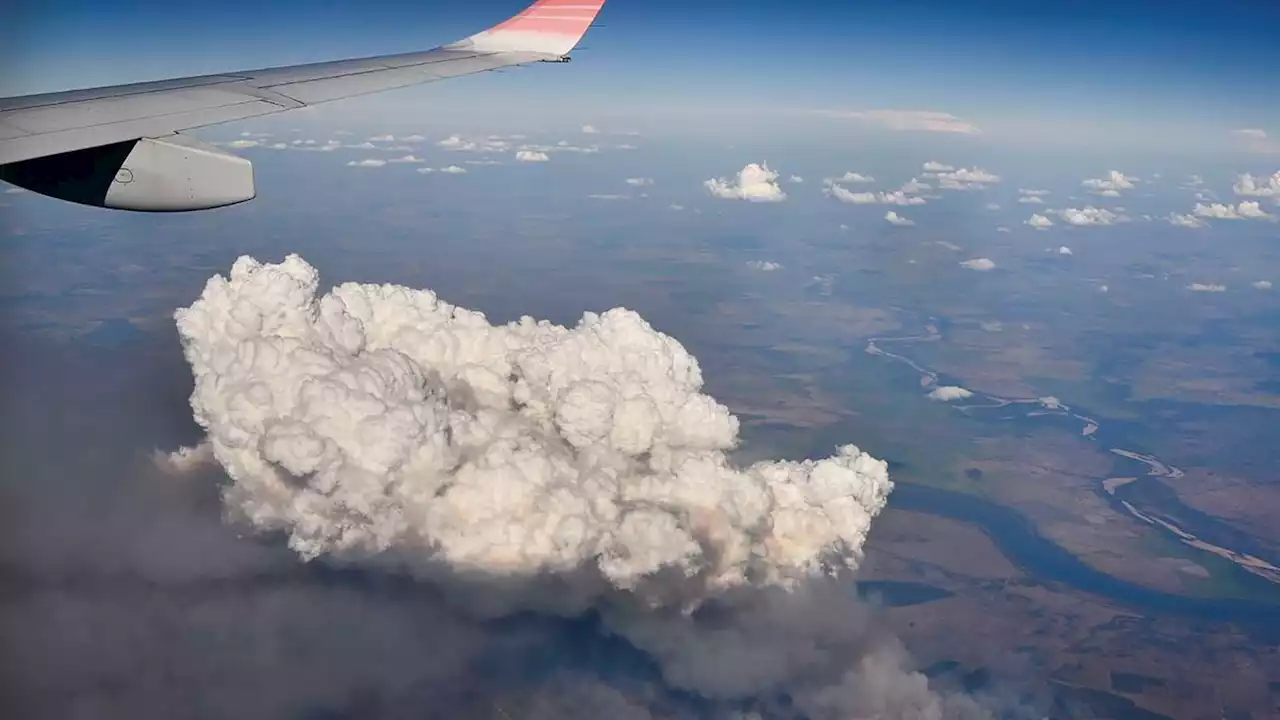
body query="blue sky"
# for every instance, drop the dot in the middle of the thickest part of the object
(1159, 72)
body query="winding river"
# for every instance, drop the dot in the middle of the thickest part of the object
(1139, 494)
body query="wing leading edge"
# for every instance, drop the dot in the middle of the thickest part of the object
(41, 126)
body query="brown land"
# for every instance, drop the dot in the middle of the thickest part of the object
(1034, 635)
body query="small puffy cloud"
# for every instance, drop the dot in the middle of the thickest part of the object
(639, 181)
(455, 142)
(795, 179)
(1064, 250)
(1262, 284)
(1206, 287)
(1031, 199)
(676, 207)
(624, 146)
(896, 197)
(947, 393)
(367, 163)
(1258, 186)
(357, 146)
(449, 170)
(852, 177)
(1088, 215)
(1040, 222)
(412, 139)
(1218, 211)
(982, 264)
(894, 218)
(963, 178)
(382, 138)
(933, 166)
(407, 159)
(530, 156)
(755, 183)
(1186, 221)
(764, 265)
(481, 162)
(1032, 193)
(590, 130)
(993, 206)
(1111, 185)
(240, 144)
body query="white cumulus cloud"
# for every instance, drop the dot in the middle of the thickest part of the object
(590, 130)
(894, 218)
(1040, 222)
(764, 265)
(851, 177)
(1249, 209)
(407, 159)
(639, 181)
(1262, 284)
(530, 156)
(368, 163)
(961, 178)
(1088, 215)
(756, 183)
(947, 393)
(1064, 250)
(979, 264)
(1247, 184)
(1111, 185)
(896, 197)
(1206, 287)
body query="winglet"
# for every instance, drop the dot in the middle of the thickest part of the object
(550, 27)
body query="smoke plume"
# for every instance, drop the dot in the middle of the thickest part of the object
(533, 467)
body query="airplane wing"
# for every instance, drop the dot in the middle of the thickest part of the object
(119, 146)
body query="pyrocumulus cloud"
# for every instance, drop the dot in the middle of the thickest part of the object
(530, 466)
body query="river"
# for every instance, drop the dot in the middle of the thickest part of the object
(1139, 494)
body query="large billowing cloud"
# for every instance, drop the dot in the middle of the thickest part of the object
(756, 183)
(530, 466)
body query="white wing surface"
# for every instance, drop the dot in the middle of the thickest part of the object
(116, 146)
